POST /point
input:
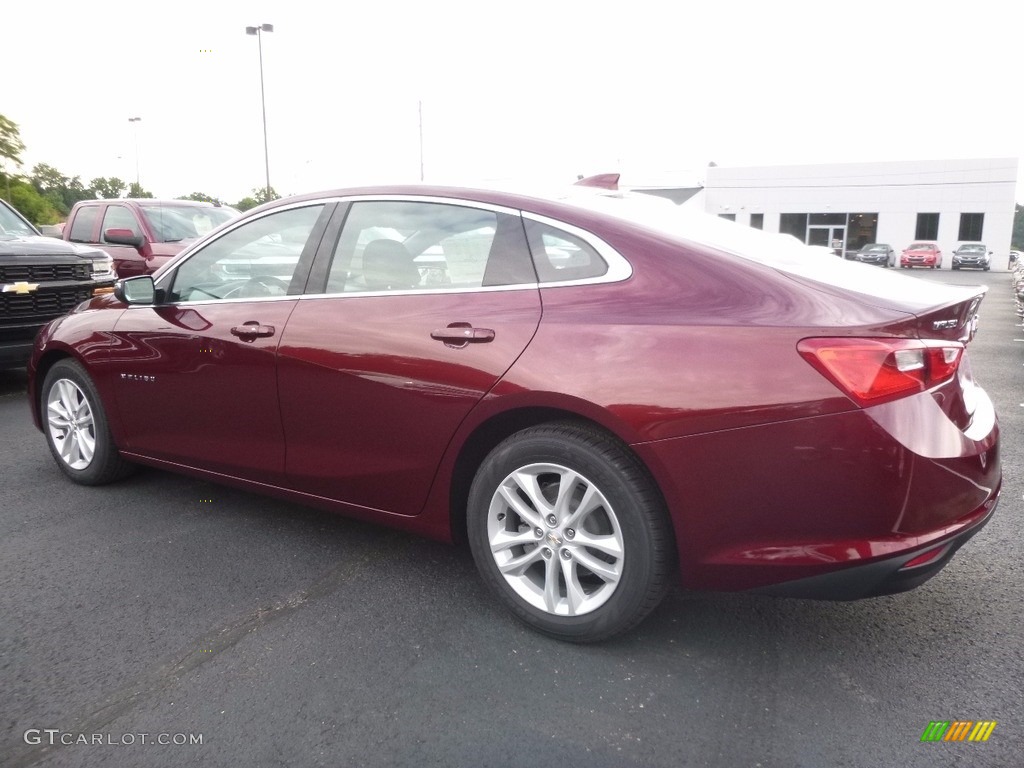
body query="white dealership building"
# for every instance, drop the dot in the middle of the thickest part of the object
(846, 206)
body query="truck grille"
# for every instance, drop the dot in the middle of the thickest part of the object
(42, 303)
(40, 272)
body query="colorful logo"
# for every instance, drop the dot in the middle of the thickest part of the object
(958, 730)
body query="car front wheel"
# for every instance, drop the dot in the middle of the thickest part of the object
(76, 427)
(569, 531)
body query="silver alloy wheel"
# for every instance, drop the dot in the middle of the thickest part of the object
(555, 539)
(70, 421)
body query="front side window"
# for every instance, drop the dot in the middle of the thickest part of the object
(411, 246)
(119, 217)
(255, 260)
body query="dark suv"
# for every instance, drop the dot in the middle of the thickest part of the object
(41, 278)
(142, 235)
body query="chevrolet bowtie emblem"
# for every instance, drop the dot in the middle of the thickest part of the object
(21, 287)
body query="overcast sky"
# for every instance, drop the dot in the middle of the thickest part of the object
(513, 92)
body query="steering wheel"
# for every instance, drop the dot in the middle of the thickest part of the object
(258, 286)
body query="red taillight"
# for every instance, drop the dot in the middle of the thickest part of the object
(873, 371)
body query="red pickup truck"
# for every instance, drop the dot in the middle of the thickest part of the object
(141, 235)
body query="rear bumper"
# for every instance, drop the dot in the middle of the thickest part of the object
(888, 576)
(835, 506)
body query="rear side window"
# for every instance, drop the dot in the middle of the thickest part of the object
(410, 246)
(82, 226)
(561, 256)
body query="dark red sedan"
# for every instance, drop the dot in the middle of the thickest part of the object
(598, 394)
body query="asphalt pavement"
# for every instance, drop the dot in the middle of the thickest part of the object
(168, 609)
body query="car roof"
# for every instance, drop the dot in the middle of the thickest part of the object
(148, 202)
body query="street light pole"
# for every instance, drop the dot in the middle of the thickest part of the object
(136, 121)
(258, 31)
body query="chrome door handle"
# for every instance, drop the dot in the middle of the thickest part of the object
(251, 330)
(458, 335)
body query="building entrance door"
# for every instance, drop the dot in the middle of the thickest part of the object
(830, 236)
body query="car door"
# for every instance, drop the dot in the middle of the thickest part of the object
(420, 306)
(195, 374)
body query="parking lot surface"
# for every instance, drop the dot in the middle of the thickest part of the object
(165, 608)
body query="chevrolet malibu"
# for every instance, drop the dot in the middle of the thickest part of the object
(921, 255)
(602, 397)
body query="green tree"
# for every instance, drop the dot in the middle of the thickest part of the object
(202, 197)
(30, 203)
(11, 145)
(11, 148)
(46, 178)
(245, 204)
(264, 195)
(135, 190)
(108, 188)
(62, 192)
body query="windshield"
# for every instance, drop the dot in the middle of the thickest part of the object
(922, 247)
(874, 247)
(171, 223)
(972, 249)
(12, 225)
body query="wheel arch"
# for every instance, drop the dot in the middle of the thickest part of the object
(49, 359)
(486, 435)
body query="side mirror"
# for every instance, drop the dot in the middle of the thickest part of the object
(123, 237)
(135, 290)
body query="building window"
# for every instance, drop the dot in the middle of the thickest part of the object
(727, 216)
(971, 225)
(861, 230)
(794, 224)
(927, 226)
(838, 219)
(757, 220)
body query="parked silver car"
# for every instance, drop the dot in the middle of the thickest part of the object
(972, 255)
(877, 253)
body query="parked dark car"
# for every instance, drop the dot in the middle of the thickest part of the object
(40, 278)
(921, 255)
(877, 253)
(972, 256)
(600, 399)
(143, 234)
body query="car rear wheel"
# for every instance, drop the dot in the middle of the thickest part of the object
(569, 531)
(76, 427)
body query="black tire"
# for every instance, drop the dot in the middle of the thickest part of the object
(105, 465)
(956, 269)
(629, 506)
